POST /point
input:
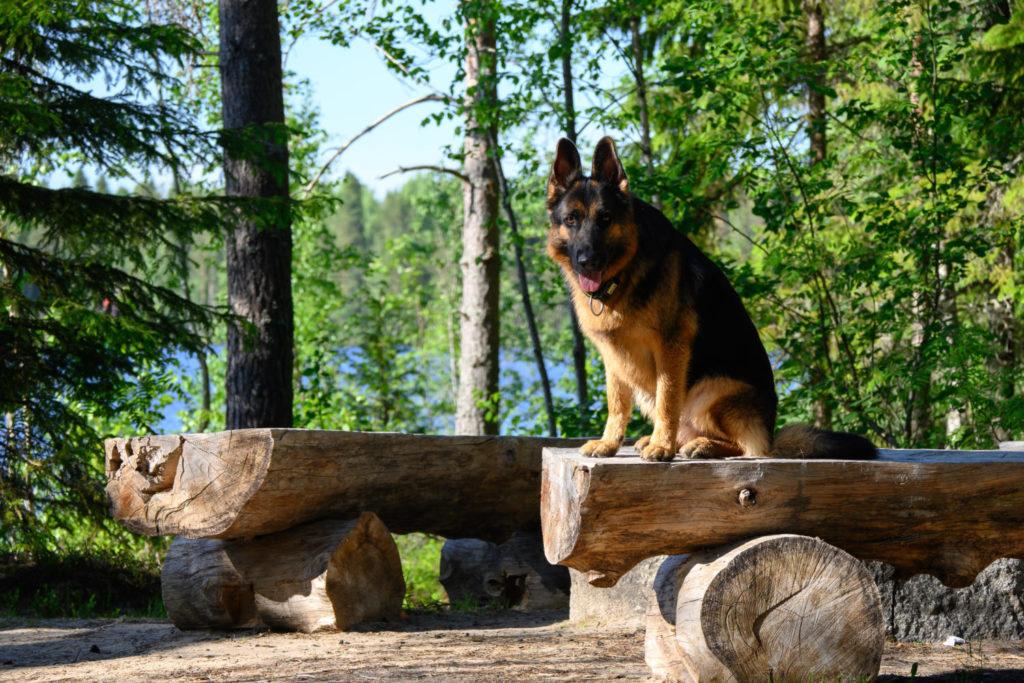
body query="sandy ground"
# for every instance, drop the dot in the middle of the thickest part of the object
(442, 647)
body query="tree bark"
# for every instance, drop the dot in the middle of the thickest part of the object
(817, 127)
(327, 574)
(579, 349)
(259, 246)
(785, 608)
(944, 513)
(250, 482)
(816, 52)
(481, 260)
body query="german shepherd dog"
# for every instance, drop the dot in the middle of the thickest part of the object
(672, 332)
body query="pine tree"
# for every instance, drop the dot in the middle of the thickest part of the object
(84, 324)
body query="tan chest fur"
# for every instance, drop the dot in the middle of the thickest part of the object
(628, 348)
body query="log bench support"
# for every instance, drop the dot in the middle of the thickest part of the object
(765, 604)
(775, 608)
(321, 575)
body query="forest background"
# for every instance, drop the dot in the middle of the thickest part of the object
(855, 167)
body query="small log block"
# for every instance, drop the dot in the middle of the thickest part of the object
(944, 513)
(326, 574)
(249, 482)
(775, 608)
(513, 574)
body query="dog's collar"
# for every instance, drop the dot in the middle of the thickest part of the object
(607, 288)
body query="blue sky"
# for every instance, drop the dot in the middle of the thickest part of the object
(352, 88)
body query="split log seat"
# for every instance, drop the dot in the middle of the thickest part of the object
(764, 582)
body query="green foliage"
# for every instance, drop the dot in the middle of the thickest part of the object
(87, 321)
(885, 277)
(421, 556)
(81, 584)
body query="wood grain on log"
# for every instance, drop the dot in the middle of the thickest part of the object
(326, 574)
(247, 482)
(782, 608)
(944, 513)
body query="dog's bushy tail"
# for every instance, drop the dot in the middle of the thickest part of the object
(803, 441)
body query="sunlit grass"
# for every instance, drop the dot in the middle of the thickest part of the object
(421, 562)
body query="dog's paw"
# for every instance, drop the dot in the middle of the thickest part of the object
(600, 448)
(641, 443)
(657, 452)
(703, 448)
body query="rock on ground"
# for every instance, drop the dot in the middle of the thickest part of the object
(921, 608)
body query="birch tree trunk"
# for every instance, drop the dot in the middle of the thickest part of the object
(259, 245)
(480, 264)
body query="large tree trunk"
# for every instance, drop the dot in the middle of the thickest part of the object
(775, 608)
(579, 349)
(259, 247)
(481, 260)
(944, 513)
(326, 574)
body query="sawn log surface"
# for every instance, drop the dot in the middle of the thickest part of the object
(944, 513)
(248, 482)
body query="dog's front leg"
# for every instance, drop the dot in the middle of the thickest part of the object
(668, 404)
(620, 408)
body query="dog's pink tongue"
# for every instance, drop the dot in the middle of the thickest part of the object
(590, 284)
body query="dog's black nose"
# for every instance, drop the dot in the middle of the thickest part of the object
(587, 259)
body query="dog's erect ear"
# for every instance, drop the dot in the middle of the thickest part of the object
(566, 169)
(606, 167)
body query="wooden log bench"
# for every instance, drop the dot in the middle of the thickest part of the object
(271, 525)
(763, 581)
(247, 482)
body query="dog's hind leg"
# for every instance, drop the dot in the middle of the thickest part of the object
(727, 421)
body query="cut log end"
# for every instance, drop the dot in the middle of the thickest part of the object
(327, 574)
(775, 608)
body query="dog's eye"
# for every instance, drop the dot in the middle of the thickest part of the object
(571, 219)
(604, 219)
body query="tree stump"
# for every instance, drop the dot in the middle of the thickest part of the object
(326, 574)
(513, 574)
(779, 608)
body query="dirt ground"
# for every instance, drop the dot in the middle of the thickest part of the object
(441, 647)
